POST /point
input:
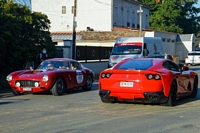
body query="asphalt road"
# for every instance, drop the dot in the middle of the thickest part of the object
(83, 112)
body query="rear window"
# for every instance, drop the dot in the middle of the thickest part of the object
(193, 53)
(136, 65)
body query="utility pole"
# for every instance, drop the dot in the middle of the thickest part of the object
(140, 12)
(74, 30)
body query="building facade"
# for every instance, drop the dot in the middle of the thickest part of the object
(97, 15)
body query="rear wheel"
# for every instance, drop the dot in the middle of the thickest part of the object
(58, 87)
(88, 84)
(172, 96)
(195, 88)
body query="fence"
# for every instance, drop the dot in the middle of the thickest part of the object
(92, 53)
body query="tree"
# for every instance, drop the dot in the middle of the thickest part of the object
(178, 16)
(22, 36)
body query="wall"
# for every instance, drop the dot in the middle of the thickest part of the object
(91, 13)
(97, 67)
(99, 15)
(124, 11)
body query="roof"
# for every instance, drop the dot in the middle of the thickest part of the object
(186, 37)
(65, 36)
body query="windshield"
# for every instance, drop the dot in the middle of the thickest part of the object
(120, 49)
(54, 65)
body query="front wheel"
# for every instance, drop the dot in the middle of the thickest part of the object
(88, 84)
(16, 93)
(58, 87)
(172, 96)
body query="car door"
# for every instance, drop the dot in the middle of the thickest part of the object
(182, 78)
(77, 74)
(68, 74)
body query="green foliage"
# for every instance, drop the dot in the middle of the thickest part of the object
(23, 34)
(178, 16)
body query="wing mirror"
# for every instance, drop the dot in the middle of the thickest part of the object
(185, 68)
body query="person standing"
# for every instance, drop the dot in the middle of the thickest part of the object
(41, 56)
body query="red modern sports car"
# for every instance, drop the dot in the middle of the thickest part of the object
(56, 75)
(147, 80)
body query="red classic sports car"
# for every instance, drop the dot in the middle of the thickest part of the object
(147, 80)
(56, 75)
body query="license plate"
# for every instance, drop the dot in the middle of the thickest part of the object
(27, 89)
(126, 84)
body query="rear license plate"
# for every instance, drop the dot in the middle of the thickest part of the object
(126, 84)
(27, 89)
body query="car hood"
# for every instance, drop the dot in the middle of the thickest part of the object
(35, 74)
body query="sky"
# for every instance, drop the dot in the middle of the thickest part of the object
(198, 5)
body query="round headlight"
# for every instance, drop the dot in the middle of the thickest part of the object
(17, 84)
(9, 78)
(36, 84)
(45, 78)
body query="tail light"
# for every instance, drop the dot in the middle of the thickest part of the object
(105, 75)
(186, 57)
(153, 76)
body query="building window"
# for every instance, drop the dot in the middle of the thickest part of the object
(168, 40)
(138, 26)
(128, 24)
(63, 9)
(163, 39)
(133, 25)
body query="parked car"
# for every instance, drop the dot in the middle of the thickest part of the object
(147, 80)
(192, 58)
(56, 75)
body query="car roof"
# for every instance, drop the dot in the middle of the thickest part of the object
(60, 59)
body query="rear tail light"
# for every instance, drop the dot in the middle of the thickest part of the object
(186, 57)
(105, 75)
(153, 76)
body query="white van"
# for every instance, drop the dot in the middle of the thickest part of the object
(136, 47)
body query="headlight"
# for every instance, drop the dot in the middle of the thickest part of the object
(9, 78)
(45, 78)
(17, 84)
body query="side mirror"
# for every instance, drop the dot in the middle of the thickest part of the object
(185, 68)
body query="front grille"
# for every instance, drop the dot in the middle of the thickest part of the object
(27, 83)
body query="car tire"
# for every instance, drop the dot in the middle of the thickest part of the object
(195, 88)
(172, 96)
(88, 84)
(58, 87)
(16, 93)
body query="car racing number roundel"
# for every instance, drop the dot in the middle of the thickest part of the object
(79, 76)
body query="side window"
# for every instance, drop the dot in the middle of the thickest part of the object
(171, 66)
(77, 66)
(72, 66)
(166, 66)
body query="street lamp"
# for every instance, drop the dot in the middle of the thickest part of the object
(74, 30)
(140, 12)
